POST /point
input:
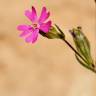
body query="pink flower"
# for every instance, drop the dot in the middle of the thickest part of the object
(31, 32)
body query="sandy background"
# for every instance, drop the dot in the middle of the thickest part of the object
(47, 68)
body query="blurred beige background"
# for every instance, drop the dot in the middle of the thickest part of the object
(47, 68)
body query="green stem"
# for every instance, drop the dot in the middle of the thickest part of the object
(92, 68)
(88, 67)
(74, 50)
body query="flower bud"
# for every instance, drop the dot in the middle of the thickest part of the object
(82, 45)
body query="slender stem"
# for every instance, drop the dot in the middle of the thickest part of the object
(74, 49)
(92, 69)
(63, 38)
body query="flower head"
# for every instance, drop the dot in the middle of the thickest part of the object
(31, 32)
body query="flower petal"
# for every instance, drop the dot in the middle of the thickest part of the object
(31, 15)
(44, 15)
(22, 27)
(45, 27)
(33, 36)
(25, 28)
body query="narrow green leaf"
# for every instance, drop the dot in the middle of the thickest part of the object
(85, 64)
(81, 62)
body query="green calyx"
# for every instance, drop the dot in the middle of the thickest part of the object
(52, 34)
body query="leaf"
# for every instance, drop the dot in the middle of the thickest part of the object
(85, 64)
(81, 62)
